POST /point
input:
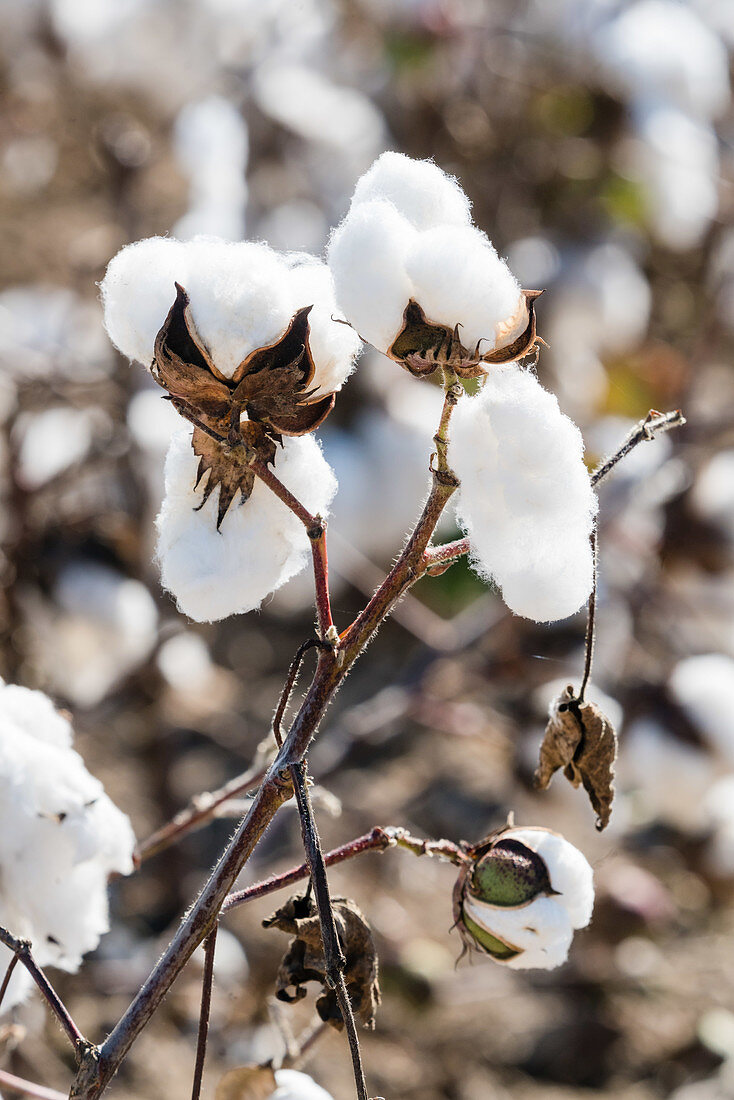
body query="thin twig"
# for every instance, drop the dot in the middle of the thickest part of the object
(590, 618)
(201, 809)
(305, 1043)
(22, 950)
(445, 555)
(334, 961)
(320, 561)
(28, 1088)
(210, 944)
(276, 486)
(654, 424)
(8, 975)
(290, 683)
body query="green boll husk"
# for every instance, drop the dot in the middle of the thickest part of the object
(509, 875)
(489, 943)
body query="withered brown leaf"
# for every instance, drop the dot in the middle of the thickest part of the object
(246, 1083)
(304, 960)
(422, 346)
(270, 395)
(580, 739)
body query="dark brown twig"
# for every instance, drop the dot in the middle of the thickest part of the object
(334, 960)
(590, 618)
(290, 683)
(210, 944)
(8, 975)
(22, 950)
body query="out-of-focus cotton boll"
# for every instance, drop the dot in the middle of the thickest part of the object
(719, 809)
(260, 545)
(712, 495)
(294, 1085)
(49, 330)
(525, 499)
(661, 50)
(51, 441)
(407, 234)
(152, 420)
(418, 189)
(99, 628)
(242, 297)
(666, 779)
(210, 141)
(678, 162)
(535, 260)
(306, 102)
(704, 687)
(60, 835)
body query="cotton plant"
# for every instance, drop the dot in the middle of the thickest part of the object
(251, 347)
(61, 837)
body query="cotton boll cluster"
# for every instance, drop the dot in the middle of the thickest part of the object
(242, 296)
(60, 836)
(210, 142)
(259, 546)
(408, 234)
(99, 627)
(524, 898)
(525, 499)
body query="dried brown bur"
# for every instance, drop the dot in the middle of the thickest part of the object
(246, 1083)
(304, 960)
(422, 346)
(241, 418)
(582, 741)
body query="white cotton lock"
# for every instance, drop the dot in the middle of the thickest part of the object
(524, 898)
(260, 544)
(60, 836)
(242, 297)
(294, 1085)
(525, 498)
(408, 235)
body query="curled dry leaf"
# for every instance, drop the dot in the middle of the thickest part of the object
(269, 395)
(304, 960)
(422, 346)
(246, 1083)
(580, 739)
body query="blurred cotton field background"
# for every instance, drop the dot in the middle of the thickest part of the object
(595, 142)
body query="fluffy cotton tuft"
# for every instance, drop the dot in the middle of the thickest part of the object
(260, 544)
(525, 501)
(243, 296)
(408, 234)
(60, 837)
(542, 930)
(293, 1085)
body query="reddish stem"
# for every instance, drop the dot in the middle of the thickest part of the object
(446, 554)
(317, 535)
(276, 486)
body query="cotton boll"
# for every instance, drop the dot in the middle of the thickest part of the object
(418, 189)
(458, 278)
(333, 346)
(568, 870)
(294, 1085)
(666, 778)
(525, 499)
(704, 687)
(663, 50)
(367, 255)
(60, 835)
(260, 545)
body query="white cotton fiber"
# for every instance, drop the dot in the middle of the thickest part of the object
(260, 544)
(294, 1085)
(242, 297)
(418, 189)
(367, 256)
(408, 234)
(60, 835)
(525, 499)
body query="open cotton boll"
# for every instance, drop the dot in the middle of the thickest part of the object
(525, 499)
(663, 50)
(260, 544)
(367, 254)
(294, 1085)
(704, 687)
(458, 278)
(60, 835)
(418, 189)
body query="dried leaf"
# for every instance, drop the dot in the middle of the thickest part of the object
(582, 741)
(269, 396)
(527, 339)
(304, 960)
(246, 1083)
